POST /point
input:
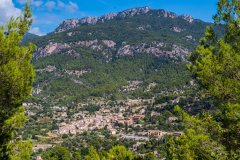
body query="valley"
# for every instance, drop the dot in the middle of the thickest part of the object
(116, 78)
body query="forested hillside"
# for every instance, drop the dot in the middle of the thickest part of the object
(116, 79)
(151, 46)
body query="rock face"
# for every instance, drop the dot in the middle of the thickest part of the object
(177, 29)
(155, 48)
(51, 48)
(187, 18)
(66, 48)
(167, 14)
(72, 23)
(134, 11)
(108, 48)
(48, 69)
(109, 43)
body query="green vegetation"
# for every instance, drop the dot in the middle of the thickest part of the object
(16, 78)
(90, 109)
(209, 118)
(116, 152)
(105, 79)
(216, 66)
(57, 153)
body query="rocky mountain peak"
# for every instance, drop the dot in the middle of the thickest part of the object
(167, 14)
(72, 23)
(134, 11)
(187, 18)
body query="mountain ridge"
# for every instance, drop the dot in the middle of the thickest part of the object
(137, 30)
(92, 20)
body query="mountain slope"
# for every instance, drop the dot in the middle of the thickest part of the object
(99, 55)
(29, 36)
(136, 54)
(98, 58)
(138, 30)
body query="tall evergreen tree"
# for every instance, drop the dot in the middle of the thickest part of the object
(16, 78)
(216, 67)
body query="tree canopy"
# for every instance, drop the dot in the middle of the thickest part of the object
(216, 67)
(16, 78)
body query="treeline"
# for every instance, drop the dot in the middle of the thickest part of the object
(115, 153)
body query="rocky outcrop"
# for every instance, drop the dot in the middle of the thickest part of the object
(86, 43)
(51, 48)
(177, 29)
(76, 72)
(48, 69)
(126, 50)
(190, 38)
(109, 16)
(133, 12)
(96, 45)
(166, 14)
(109, 43)
(68, 24)
(108, 47)
(72, 52)
(187, 18)
(155, 48)
(72, 23)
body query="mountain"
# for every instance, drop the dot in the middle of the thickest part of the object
(100, 55)
(29, 36)
(73, 23)
(138, 30)
(106, 65)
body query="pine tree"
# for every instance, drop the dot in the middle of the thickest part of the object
(57, 153)
(16, 78)
(120, 153)
(216, 67)
(92, 154)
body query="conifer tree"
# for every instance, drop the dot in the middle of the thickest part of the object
(216, 67)
(16, 78)
(92, 154)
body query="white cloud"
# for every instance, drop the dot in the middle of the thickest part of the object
(60, 5)
(36, 30)
(8, 10)
(35, 3)
(50, 5)
(72, 7)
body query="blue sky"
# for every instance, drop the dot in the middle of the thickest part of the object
(49, 13)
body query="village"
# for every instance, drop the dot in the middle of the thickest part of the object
(113, 117)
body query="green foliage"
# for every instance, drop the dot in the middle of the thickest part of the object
(20, 149)
(120, 153)
(199, 139)
(150, 156)
(90, 109)
(57, 153)
(105, 79)
(16, 78)
(77, 156)
(92, 154)
(216, 66)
